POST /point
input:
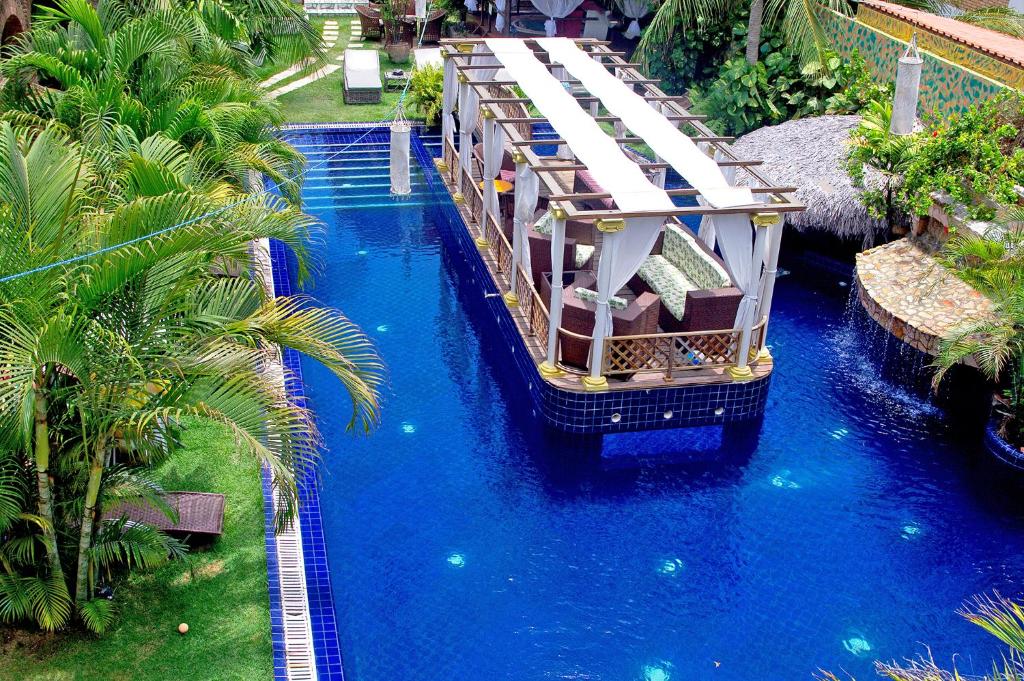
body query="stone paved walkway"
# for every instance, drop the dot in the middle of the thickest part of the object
(330, 38)
(906, 290)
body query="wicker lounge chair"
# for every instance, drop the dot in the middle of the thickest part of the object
(638, 317)
(369, 21)
(696, 292)
(199, 514)
(362, 77)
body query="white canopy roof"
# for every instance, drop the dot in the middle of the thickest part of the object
(605, 160)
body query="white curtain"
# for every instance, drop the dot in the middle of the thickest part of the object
(450, 96)
(634, 10)
(743, 257)
(499, 20)
(526, 192)
(555, 9)
(665, 140)
(494, 148)
(472, 5)
(469, 103)
(421, 9)
(706, 232)
(622, 254)
(400, 133)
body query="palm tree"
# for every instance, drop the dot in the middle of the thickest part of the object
(798, 20)
(110, 347)
(106, 68)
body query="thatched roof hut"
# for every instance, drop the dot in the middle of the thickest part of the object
(811, 153)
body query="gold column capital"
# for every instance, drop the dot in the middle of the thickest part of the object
(610, 225)
(766, 219)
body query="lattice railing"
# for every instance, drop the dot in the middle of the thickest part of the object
(471, 192)
(451, 159)
(671, 353)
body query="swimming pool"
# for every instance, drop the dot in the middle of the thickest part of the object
(464, 543)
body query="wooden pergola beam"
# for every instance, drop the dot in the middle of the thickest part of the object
(622, 140)
(689, 191)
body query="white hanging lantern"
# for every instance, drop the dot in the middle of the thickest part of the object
(908, 87)
(401, 132)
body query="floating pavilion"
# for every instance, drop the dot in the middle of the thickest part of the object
(628, 320)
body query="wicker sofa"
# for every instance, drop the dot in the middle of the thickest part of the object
(637, 317)
(696, 291)
(369, 21)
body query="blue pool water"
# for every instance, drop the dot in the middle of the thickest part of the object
(465, 544)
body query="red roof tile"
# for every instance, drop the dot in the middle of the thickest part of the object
(992, 43)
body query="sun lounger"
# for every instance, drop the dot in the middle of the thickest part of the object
(362, 77)
(199, 513)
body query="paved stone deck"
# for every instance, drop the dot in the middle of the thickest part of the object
(906, 290)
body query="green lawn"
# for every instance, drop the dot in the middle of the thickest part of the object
(321, 101)
(222, 595)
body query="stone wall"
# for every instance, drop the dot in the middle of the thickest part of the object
(14, 17)
(953, 77)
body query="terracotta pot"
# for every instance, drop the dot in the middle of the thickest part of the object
(399, 52)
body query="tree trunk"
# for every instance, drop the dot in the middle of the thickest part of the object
(92, 492)
(41, 448)
(754, 31)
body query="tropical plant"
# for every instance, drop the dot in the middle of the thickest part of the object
(974, 156)
(993, 264)
(798, 21)
(999, 616)
(158, 72)
(747, 96)
(873, 145)
(426, 91)
(123, 326)
(692, 56)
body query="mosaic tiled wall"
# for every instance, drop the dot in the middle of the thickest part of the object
(946, 85)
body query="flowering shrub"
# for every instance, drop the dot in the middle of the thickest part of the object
(972, 156)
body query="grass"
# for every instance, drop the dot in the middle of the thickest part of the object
(321, 101)
(221, 593)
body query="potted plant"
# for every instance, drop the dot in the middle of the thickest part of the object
(397, 32)
(426, 92)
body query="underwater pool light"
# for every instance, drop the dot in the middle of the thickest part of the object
(655, 673)
(383, 328)
(457, 560)
(857, 645)
(670, 566)
(408, 428)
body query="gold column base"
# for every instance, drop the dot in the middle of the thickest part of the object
(549, 370)
(740, 373)
(441, 165)
(458, 198)
(511, 299)
(594, 385)
(762, 355)
(482, 242)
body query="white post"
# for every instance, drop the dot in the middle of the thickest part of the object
(487, 185)
(748, 323)
(764, 307)
(517, 228)
(549, 367)
(602, 328)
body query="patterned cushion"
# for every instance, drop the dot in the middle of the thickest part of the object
(615, 302)
(668, 282)
(544, 224)
(681, 250)
(583, 255)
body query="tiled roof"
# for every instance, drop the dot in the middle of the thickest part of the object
(992, 43)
